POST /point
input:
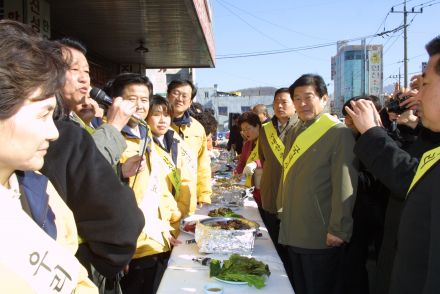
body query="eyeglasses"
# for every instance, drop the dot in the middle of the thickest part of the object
(177, 93)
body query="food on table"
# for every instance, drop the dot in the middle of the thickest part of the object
(240, 269)
(223, 211)
(234, 224)
(190, 226)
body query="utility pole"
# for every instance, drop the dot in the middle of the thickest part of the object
(405, 39)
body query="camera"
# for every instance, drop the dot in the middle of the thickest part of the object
(393, 104)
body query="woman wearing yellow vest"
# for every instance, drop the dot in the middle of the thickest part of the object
(38, 229)
(158, 205)
(176, 157)
(249, 162)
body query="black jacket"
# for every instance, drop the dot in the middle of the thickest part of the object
(106, 214)
(417, 263)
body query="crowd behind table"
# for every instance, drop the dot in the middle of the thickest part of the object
(104, 189)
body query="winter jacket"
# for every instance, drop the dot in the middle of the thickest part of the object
(195, 137)
(106, 214)
(167, 210)
(417, 262)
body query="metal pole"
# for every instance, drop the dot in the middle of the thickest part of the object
(405, 49)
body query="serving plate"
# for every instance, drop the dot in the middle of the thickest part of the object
(230, 282)
(191, 220)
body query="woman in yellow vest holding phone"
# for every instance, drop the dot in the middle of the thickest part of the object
(249, 162)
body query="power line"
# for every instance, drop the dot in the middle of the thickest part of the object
(303, 48)
(251, 26)
(267, 21)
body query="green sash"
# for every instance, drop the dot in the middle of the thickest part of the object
(170, 168)
(275, 143)
(306, 139)
(429, 159)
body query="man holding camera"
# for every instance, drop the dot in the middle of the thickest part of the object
(413, 176)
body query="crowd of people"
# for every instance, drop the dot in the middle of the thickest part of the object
(91, 197)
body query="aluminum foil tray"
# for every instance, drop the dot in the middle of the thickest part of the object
(216, 240)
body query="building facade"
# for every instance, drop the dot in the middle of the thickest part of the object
(356, 70)
(224, 105)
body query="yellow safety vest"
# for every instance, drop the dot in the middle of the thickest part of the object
(170, 168)
(275, 143)
(306, 139)
(428, 160)
(252, 157)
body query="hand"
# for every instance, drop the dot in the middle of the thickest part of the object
(99, 112)
(119, 112)
(249, 169)
(133, 165)
(364, 115)
(408, 118)
(413, 102)
(333, 241)
(174, 241)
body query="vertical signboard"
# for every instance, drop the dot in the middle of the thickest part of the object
(38, 16)
(375, 71)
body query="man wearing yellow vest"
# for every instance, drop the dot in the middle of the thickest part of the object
(271, 151)
(414, 175)
(317, 191)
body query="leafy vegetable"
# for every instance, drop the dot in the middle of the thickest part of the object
(241, 269)
(214, 268)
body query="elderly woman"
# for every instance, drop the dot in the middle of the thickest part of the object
(249, 163)
(38, 230)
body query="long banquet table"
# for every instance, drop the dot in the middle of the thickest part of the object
(186, 276)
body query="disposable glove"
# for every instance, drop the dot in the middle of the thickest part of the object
(250, 168)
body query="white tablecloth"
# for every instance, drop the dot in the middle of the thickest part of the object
(185, 276)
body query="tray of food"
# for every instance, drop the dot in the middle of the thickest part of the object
(226, 235)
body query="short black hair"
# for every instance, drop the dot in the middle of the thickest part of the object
(316, 81)
(115, 87)
(250, 118)
(281, 90)
(372, 98)
(179, 83)
(157, 100)
(207, 120)
(73, 43)
(433, 48)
